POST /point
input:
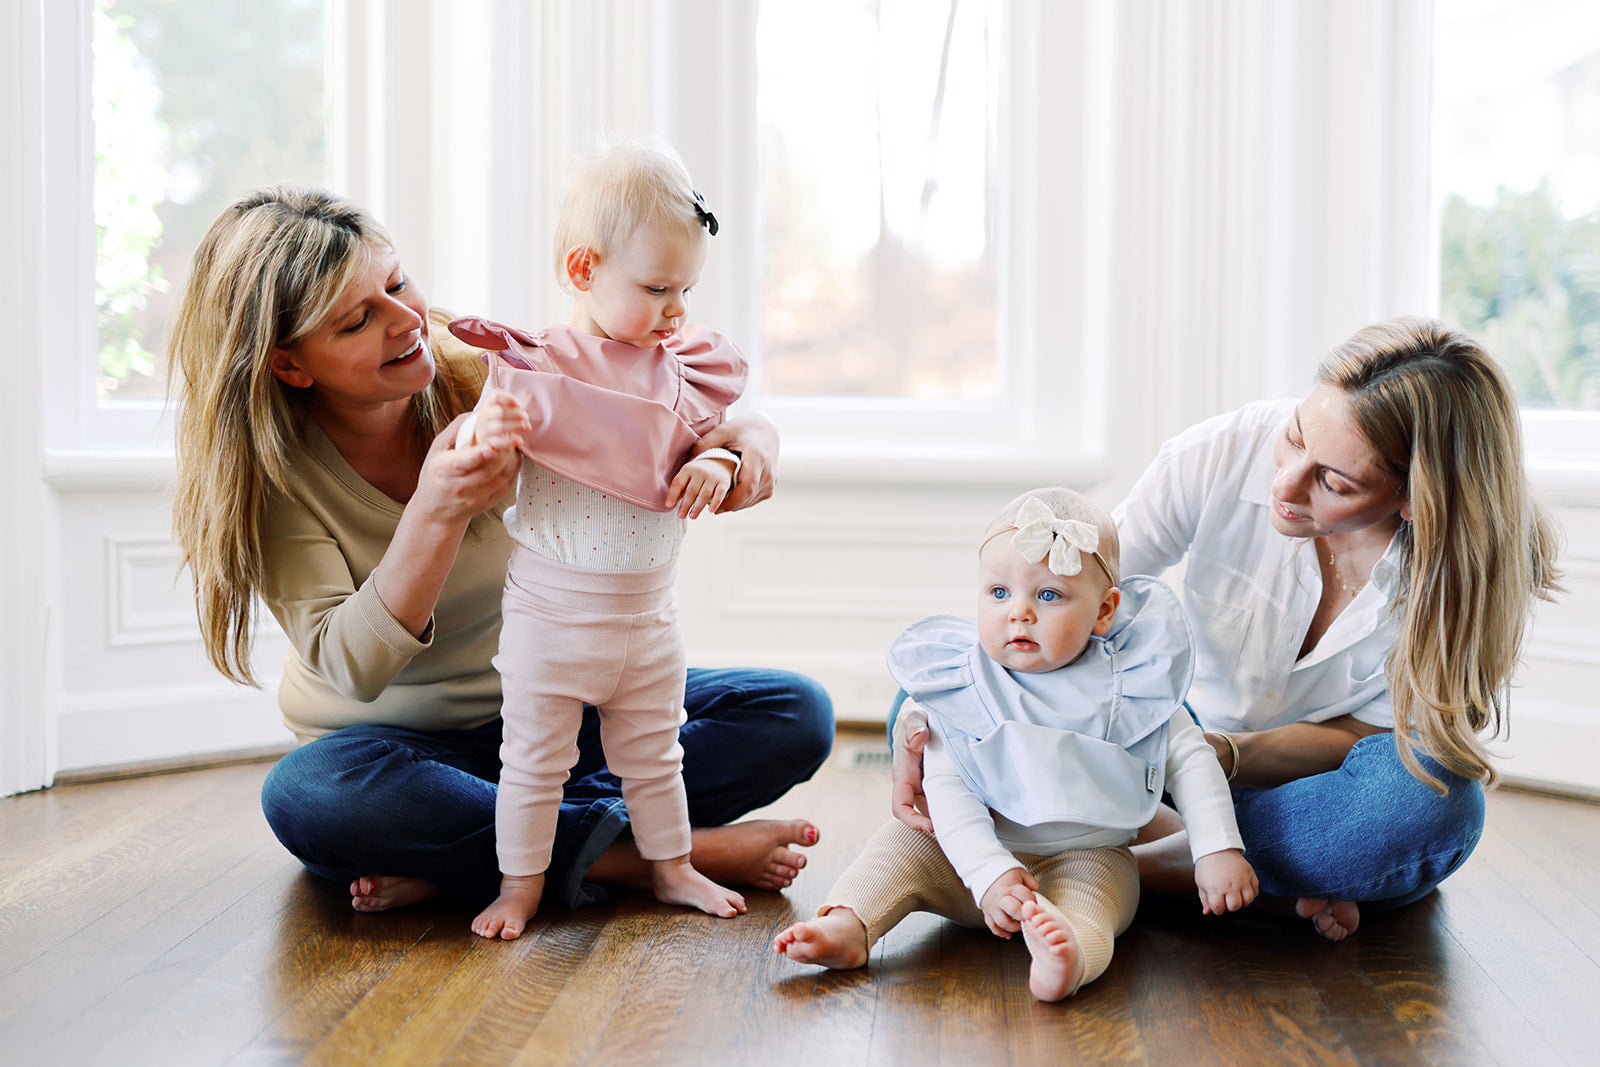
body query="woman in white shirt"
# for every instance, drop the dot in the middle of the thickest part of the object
(1360, 567)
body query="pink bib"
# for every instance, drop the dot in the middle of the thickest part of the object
(610, 415)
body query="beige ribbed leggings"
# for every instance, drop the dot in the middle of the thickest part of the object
(901, 870)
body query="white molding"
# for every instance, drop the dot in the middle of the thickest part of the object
(82, 471)
(38, 75)
(134, 617)
(1551, 746)
(115, 727)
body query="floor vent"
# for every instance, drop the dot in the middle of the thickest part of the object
(869, 758)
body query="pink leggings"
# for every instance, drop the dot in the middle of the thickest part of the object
(572, 637)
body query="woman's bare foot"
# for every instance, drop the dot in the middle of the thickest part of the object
(1057, 966)
(1334, 919)
(381, 892)
(837, 939)
(754, 853)
(508, 916)
(675, 881)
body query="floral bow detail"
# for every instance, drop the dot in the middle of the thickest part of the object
(1040, 534)
(703, 213)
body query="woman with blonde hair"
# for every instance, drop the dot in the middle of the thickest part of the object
(1360, 569)
(319, 402)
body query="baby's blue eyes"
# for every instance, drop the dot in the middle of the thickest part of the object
(1044, 596)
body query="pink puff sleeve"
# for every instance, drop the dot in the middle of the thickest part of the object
(611, 416)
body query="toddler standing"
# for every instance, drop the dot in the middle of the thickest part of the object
(1058, 721)
(606, 411)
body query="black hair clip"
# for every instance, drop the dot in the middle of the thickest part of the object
(707, 219)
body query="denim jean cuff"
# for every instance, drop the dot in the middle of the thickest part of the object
(600, 826)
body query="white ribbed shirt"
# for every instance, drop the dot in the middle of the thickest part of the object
(571, 523)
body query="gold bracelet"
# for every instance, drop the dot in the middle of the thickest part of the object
(1233, 747)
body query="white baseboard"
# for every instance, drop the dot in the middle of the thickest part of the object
(1552, 748)
(117, 727)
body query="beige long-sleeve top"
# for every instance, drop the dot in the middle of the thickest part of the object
(350, 662)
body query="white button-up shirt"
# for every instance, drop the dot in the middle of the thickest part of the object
(1250, 591)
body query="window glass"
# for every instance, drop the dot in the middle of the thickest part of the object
(1517, 173)
(877, 125)
(195, 101)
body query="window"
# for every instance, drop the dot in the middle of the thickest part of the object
(194, 103)
(880, 197)
(1517, 176)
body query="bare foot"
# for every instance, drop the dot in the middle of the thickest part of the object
(675, 881)
(380, 892)
(837, 939)
(1334, 919)
(754, 853)
(508, 916)
(1057, 966)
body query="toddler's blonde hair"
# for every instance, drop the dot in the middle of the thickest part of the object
(609, 197)
(1066, 504)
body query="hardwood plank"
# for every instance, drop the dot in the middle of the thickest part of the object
(147, 908)
(594, 991)
(329, 973)
(204, 985)
(104, 852)
(175, 930)
(1163, 998)
(497, 992)
(1533, 962)
(1352, 1007)
(83, 978)
(1290, 1003)
(402, 993)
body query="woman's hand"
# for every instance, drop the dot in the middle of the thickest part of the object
(906, 801)
(457, 484)
(755, 438)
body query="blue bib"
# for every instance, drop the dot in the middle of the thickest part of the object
(1085, 744)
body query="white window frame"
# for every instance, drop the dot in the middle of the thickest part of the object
(1050, 317)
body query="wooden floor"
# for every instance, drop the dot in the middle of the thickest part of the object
(156, 921)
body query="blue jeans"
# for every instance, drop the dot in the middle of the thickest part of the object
(396, 801)
(1367, 832)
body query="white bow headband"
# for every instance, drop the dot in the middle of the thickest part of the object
(1040, 534)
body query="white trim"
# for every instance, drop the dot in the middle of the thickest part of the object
(117, 726)
(1551, 746)
(39, 224)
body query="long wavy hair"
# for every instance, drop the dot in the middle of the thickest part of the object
(269, 270)
(1479, 550)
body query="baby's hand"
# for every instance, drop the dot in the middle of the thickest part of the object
(498, 422)
(701, 485)
(1002, 902)
(1226, 881)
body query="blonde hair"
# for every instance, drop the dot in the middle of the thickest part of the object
(1479, 549)
(609, 197)
(1066, 504)
(267, 272)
